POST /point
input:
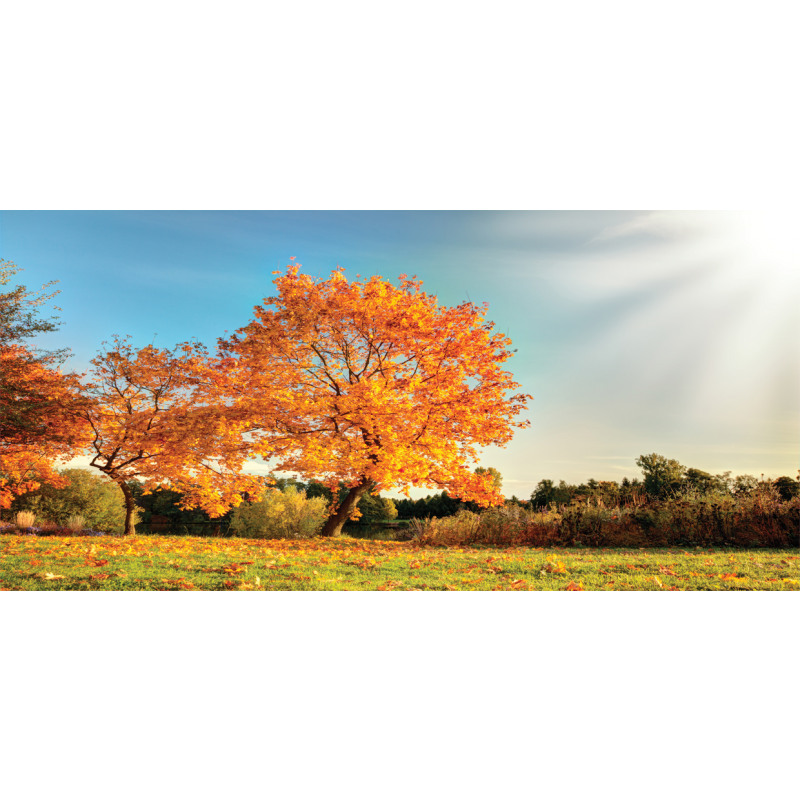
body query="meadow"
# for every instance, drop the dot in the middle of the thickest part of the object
(183, 563)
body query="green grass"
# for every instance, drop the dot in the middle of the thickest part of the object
(194, 563)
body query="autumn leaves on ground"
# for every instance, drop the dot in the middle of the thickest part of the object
(193, 563)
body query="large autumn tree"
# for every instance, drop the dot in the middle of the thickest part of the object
(153, 418)
(372, 384)
(38, 421)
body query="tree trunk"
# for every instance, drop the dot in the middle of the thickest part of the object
(335, 522)
(130, 508)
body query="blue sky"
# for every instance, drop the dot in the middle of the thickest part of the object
(637, 332)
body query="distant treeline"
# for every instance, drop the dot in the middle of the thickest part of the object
(664, 478)
(99, 502)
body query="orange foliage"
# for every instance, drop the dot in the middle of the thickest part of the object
(372, 384)
(151, 419)
(38, 422)
(24, 470)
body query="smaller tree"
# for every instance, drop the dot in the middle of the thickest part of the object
(38, 424)
(153, 418)
(787, 487)
(607, 493)
(723, 483)
(630, 491)
(744, 485)
(547, 494)
(543, 494)
(374, 508)
(662, 476)
(699, 481)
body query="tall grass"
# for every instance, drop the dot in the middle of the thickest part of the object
(24, 519)
(762, 520)
(76, 522)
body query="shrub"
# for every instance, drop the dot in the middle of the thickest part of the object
(286, 514)
(375, 508)
(503, 525)
(756, 520)
(95, 498)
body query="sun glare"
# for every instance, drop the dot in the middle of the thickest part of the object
(768, 242)
(711, 300)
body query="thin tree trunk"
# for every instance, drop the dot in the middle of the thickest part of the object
(335, 522)
(130, 508)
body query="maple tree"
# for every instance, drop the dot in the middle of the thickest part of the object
(153, 418)
(371, 384)
(38, 424)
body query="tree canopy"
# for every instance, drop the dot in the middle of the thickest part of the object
(151, 420)
(38, 424)
(662, 476)
(372, 384)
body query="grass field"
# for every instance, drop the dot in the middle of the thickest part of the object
(194, 563)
